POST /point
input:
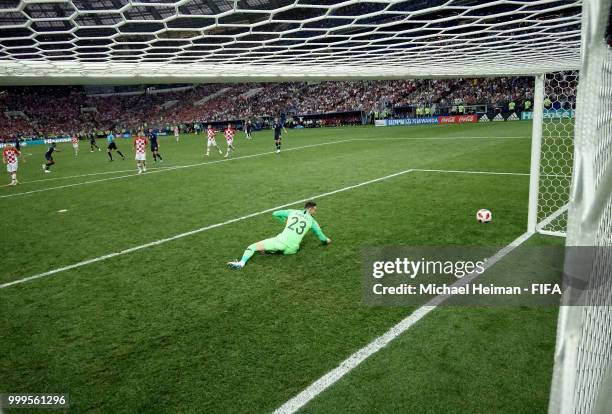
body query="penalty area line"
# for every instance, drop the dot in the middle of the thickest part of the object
(196, 231)
(290, 149)
(175, 167)
(165, 169)
(346, 366)
(91, 174)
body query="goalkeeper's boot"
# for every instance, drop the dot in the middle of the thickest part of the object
(235, 265)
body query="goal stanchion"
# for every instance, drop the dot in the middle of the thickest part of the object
(583, 357)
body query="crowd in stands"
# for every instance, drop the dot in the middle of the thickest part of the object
(50, 111)
(32, 110)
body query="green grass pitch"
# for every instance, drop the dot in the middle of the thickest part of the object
(168, 328)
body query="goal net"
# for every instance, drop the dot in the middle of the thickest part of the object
(556, 151)
(117, 41)
(582, 380)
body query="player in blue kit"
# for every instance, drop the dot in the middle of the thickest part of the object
(154, 145)
(277, 127)
(49, 157)
(248, 130)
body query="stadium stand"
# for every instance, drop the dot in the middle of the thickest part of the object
(32, 111)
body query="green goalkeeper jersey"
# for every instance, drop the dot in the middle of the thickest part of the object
(298, 222)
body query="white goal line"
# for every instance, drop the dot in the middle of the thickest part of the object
(350, 363)
(435, 138)
(486, 172)
(469, 172)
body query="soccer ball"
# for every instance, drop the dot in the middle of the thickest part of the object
(483, 215)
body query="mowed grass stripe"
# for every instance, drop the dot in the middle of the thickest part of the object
(157, 169)
(165, 169)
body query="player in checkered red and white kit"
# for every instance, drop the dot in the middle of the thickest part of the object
(75, 144)
(10, 158)
(140, 147)
(212, 142)
(229, 133)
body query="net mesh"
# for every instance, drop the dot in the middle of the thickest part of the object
(595, 346)
(583, 359)
(206, 39)
(556, 156)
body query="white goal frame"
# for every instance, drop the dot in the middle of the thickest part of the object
(543, 209)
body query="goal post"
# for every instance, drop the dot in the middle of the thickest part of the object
(536, 151)
(582, 374)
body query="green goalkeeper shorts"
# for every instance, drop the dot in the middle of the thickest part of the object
(275, 244)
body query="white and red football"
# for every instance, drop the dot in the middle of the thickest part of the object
(483, 215)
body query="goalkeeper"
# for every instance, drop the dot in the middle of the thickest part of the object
(297, 224)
